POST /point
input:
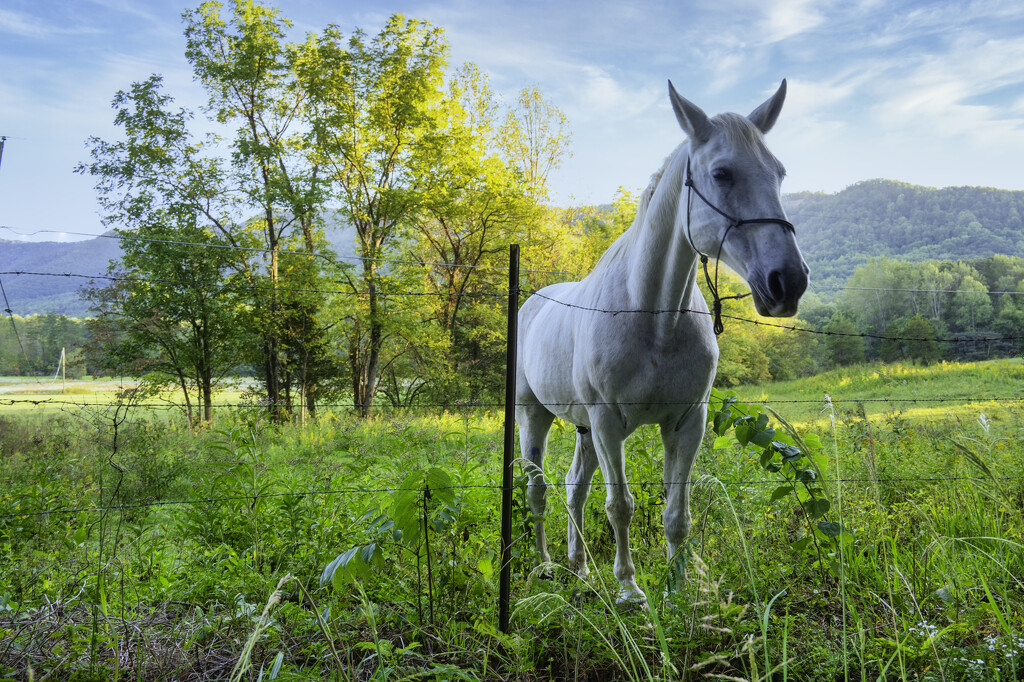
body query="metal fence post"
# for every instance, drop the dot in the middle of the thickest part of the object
(510, 423)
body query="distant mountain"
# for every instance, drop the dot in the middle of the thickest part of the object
(30, 294)
(837, 233)
(35, 294)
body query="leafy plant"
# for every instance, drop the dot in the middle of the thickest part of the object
(797, 460)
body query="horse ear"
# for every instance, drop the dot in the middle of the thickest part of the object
(764, 116)
(691, 118)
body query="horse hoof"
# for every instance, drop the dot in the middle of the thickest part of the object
(581, 572)
(632, 599)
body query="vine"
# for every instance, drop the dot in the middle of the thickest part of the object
(796, 460)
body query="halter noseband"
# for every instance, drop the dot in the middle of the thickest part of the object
(716, 304)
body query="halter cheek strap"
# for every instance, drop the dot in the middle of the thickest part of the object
(716, 304)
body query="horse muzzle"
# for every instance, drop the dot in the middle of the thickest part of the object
(777, 293)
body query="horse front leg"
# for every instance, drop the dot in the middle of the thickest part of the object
(534, 424)
(619, 505)
(577, 489)
(682, 441)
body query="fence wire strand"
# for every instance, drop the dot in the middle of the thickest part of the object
(492, 487)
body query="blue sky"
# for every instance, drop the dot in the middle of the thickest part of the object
(930, 93)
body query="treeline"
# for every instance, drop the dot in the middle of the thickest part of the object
(889, 310)
(32, 345)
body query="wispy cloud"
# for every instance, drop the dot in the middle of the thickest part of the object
(33, 27)
(786, 18)
(937, 93)
(596, 94)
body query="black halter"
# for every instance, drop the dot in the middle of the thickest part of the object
(716, 304)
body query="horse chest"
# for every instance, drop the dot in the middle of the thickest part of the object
(645, 361)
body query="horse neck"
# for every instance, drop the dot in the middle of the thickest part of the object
(662, 263)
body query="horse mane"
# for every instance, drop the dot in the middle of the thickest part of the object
(627, 238)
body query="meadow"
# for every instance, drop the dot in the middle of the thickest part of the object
(134, 547)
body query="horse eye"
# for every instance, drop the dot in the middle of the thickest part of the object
(722, 175)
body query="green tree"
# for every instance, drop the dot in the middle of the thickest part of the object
(375, 108)
(971, 308)
(843, 342)
(892, 348)
(535, 138)
(169, 315)
(249, 74)
(171, 311)
(919, 337)
(471, 207)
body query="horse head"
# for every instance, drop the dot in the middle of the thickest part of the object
(733, 208)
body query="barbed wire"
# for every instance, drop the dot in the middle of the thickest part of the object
(980, 338)
(493, 487)
(762, 323)
(499, 405)
(921, 291)
(398, 261)
(216, 286)
(262, 249)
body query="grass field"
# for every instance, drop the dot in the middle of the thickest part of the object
(132, 547)
(43, 395)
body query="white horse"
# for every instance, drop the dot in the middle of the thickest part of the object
(585, 361)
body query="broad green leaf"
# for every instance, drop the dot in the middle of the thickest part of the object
(368, 553)
(763, 438)
(830, 528)
(787, 451)
(818, 508)
(801, 544)
(806, 475)
(723, 419)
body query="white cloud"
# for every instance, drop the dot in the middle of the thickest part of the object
(26, 26)
(787, 18)
(597, 95)
(935, 96)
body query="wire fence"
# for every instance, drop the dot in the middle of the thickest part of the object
(468, 405)
(64, 402)
(389, 490)
(974, 338)
(341, 259)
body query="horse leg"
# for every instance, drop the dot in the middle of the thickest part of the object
(619, 505)
(577, 488)
(534, 423)
(682, 441)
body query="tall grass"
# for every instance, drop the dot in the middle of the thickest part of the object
(926, 586)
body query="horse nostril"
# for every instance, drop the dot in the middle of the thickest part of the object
(777, 285)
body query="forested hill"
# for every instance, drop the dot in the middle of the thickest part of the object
(34, 294)
(841, 231)
(28, 294)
